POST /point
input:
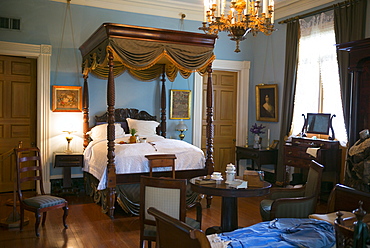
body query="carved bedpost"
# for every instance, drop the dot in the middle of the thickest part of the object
(85, 110)
(111, 173)
(163, 105)
(209, 128)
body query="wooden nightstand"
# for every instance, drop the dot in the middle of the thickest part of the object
(67, 161)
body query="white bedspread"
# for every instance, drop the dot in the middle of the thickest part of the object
(130, 158)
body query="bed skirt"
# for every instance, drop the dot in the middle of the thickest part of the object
(127, 195)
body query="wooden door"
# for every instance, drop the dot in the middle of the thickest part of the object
(17, 112)
(225, 94)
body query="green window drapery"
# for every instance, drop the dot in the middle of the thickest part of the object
(349, 25)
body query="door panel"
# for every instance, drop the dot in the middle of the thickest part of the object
(224, 85)
(17, 113)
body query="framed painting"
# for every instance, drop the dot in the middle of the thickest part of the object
(180, 104)
(274, 144)
(267, 102)
(67, 99)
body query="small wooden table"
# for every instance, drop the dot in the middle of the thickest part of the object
(229, 210)
(66, 161)
(258, 156)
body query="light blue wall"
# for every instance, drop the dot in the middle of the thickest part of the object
(267, 67)
(42, 22)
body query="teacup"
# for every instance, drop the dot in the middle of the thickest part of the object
(216, 175)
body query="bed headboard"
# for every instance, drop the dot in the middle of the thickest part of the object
(121, 114)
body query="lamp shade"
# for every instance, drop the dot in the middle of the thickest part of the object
(181, 126)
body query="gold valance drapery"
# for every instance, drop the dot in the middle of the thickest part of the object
(144, 59)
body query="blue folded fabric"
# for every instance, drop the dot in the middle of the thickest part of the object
(285, 232)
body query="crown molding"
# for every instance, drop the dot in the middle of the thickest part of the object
(286, 8)
(166, 8)
(193, 9)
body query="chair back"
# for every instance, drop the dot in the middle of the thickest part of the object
(29, 168)
(344, 198)
(166, 194)
(313, 184)
(161, 160)
(353, 231)
(174, 233)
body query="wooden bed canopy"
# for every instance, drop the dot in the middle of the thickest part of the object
(147, 54)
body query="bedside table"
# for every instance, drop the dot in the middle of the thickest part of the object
(66, 161)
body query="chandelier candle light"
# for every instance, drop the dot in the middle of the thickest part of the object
(242, 17)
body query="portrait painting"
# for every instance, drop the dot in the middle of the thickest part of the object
(67, 99)
(180, 104)
(267, 102)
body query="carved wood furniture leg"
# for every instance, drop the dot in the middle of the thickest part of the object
(209, 200)
(85, 110)
(111, 184)
(37, 223)
(65, 214)
(163, 104)
(43, 218)
(210, 127)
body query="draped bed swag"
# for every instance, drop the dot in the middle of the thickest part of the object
(147, 54)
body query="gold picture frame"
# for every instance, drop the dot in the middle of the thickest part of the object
(267, 102)
(274, 144)
(67, 99)
(180, 104)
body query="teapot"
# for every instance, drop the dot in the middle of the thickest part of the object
(230, 168)
(230, 173)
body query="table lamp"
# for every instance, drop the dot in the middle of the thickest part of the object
(181, 127)
(69, 138)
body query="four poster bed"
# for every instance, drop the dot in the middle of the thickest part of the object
(147, 54)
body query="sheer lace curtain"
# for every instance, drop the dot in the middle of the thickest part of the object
(317, 88)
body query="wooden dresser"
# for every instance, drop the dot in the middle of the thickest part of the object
(328, 154)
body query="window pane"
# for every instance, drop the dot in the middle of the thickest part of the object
(317, 65)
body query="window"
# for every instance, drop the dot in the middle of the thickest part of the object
(317, 88)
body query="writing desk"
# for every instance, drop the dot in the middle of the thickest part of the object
(258, 156)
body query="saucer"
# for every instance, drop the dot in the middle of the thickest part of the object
(216, 178)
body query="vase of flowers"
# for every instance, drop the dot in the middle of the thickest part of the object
(257, 130)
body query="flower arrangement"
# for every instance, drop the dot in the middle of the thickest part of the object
(257, 129)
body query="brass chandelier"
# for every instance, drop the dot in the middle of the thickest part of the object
(244, 16)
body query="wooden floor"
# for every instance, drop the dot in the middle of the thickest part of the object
(89, 227)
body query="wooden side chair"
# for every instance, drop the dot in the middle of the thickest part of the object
(29, 169)
(352, 232)
(161, 160)
(172, 232)
(167, 195)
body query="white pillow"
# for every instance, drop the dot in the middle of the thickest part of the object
(99, 132)
(143, 128)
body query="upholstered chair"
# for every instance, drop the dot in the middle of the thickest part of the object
(294, 202)
(167, 195)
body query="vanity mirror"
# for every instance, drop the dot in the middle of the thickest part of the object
(318, 123)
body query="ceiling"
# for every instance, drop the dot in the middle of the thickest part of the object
(193, 9)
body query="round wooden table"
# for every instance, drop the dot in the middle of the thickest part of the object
(229, 210)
